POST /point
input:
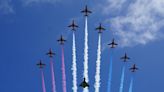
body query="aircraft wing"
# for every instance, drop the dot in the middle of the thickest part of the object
(103, 28)
(70, 26)
(115, 44)
(38, 64)
(132, 69)
(43, 64)
(82, 11)
(122, 58)
(76, 26)
(97, 28)
(90, 11)
(87, 85)
(47, 53)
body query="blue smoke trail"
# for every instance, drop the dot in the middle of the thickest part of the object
(110, 72)
(122, 79)
(131, 84)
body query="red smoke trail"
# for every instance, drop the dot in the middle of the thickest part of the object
(53, 77)
(43, 83)
(63, 72)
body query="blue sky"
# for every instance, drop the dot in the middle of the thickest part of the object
(29, 28)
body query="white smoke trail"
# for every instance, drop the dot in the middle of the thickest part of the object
(74, 68)
(98, 63)
(86, 55)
